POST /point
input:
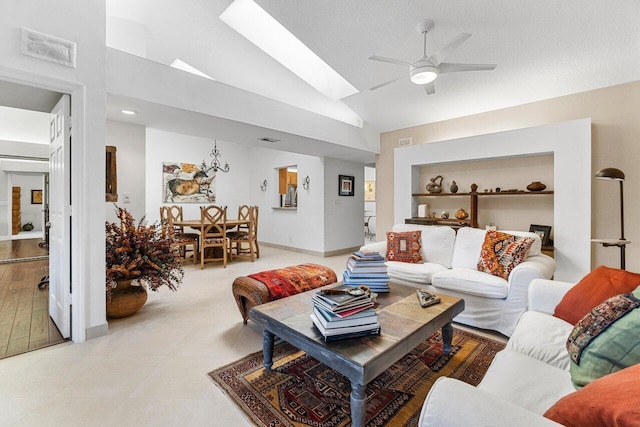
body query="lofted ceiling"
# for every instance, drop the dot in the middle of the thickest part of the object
(543, 49)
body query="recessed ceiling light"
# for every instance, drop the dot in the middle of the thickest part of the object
(261, 29)
(129, 112)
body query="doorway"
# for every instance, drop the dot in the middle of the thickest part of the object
(25, 323)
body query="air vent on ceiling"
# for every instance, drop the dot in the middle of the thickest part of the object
(267, 139)
(404, 142)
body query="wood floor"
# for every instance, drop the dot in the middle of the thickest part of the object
(25, 324)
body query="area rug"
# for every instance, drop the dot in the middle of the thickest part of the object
(300, 391)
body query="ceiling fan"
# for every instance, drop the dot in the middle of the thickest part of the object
(425, 70)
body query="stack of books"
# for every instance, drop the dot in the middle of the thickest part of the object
(367, 268)
(339, 314)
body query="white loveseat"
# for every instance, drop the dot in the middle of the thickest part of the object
(450, 267)
(524, 380)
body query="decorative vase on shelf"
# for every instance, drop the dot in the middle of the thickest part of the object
(454, 187)
(28, 226)
(444, 215)
(474, 187)
(435, 184)
(125, 299)
(536, 186)
(462, 214)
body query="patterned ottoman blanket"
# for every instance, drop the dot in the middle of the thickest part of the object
(270, 285)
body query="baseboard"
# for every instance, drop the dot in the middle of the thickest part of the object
(96, 331)
(309, 252)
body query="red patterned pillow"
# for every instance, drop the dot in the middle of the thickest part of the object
(502, 252)
(404, 246)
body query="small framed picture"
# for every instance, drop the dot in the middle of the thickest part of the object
(345, 185)
(544, 231)
(36, 197)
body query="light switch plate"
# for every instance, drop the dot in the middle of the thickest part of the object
(126, 198)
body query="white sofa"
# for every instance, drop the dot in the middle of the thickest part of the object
(449, 267)
(524, 380)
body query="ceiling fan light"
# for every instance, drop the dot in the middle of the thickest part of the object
(423, 75)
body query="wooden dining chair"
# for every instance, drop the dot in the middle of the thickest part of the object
(179, 239)
(213, 224)
(244, 212)
(248, 235)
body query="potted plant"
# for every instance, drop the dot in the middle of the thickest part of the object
(137, 256)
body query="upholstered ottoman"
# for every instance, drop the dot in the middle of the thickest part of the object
(255, 289)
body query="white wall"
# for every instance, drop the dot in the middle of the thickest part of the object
(302, 228)
(343, 215)
(570, 143)
(82, 22)
(24, 125)
(232, 188)
(130, 143)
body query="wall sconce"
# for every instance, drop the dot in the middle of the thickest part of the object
(263, 186)
(612, 174)
(305, 183)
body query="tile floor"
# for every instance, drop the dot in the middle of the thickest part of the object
(151, 369)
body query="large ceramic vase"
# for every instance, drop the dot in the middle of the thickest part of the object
(126, 299)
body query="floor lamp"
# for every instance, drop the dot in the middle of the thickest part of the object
(613, 174)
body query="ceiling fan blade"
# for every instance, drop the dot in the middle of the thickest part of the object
(385, 83)
(448, 67)
(430, 88)
(389, 60)
(439, 56)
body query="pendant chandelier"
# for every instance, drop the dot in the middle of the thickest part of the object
(215, 163)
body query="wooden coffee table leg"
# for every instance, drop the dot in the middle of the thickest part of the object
(447, 337)
(358, 402)
(267, 349)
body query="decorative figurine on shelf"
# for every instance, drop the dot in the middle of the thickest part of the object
(462, 214)
(474, 187)
(28, 226)
(444, 215)
(454, 187)
(433, 186)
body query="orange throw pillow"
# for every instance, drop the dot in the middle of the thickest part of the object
(502, 252)
(404, 246)
(597, 286)
(611, 400)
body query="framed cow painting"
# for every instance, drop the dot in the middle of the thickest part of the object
(187, 183)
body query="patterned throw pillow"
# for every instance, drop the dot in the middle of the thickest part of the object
(606, 339)
(404, 246)
(502, 252)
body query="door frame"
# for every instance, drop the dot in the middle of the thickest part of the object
(80, 261)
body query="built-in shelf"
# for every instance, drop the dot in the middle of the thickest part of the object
(473, 206)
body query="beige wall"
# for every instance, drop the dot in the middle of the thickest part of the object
(615, 115)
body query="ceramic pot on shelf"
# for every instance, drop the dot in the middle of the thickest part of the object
(536, 186)
(462, 214)
(125, 299)
(454, 187)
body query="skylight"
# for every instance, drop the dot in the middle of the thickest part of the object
(181, 65)
(261, 29)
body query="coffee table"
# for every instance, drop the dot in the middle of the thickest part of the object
(404, 325)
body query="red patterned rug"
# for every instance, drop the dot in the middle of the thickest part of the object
(300, 391)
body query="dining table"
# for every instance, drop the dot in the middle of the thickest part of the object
(196, 224)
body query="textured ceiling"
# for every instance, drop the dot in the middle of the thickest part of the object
(543, 49)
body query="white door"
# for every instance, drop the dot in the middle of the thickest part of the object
(60, 217)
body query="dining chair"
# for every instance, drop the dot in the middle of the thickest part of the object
(248, 235)
(213, 224)
(244, 212)
(179, 239)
